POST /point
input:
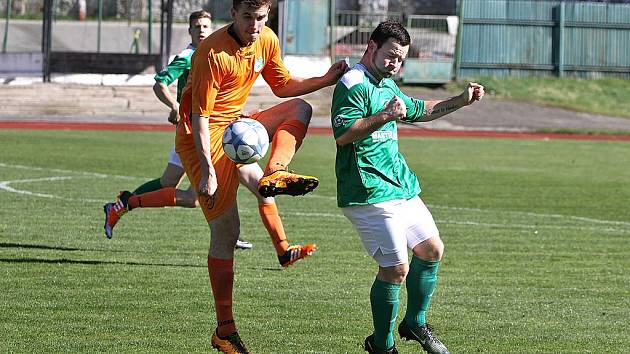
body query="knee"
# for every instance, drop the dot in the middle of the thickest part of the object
(430, 250)
(169, 181)
(187, 198)
(189, 202)
(303, 110)
(435, 251)
(393, 275)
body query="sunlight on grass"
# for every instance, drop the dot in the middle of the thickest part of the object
(536, 259)
(606, 96)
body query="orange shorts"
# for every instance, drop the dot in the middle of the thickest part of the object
(227, 174)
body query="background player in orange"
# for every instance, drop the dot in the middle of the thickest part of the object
(224, 68)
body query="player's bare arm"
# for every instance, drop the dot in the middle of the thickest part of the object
(436, 108)
(208, 182)
(394, 110)
(298, 86)
(164, 95)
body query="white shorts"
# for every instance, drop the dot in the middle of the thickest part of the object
(389, 228)
(173, 158)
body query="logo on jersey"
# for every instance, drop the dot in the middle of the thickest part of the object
(384, 135)
(339, 121)
(258, 64)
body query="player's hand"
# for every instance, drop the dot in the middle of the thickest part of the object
(395, 108)
(207, 189)
(474, 92)
(336, 71)
(173, 117)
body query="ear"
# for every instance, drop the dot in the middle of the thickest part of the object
(233, 13)
(372, 46)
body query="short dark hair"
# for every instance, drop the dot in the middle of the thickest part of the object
(251, 3)
(197, 15)
(390, 29)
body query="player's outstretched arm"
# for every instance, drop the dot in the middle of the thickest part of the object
(208, 182)
(394, 110)
(298, 86)
(164, 95)
(436, 109)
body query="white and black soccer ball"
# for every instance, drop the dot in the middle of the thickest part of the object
(245, 141)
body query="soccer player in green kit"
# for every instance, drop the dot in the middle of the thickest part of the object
(378, 192)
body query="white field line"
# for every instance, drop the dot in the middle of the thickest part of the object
(510, 212)
(471, 223)
(4, 185)
(93, 174)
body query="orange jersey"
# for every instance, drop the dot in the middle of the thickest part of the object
(221, 76)
(223, 73)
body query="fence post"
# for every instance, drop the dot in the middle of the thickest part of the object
(6, 27)
(98, 31)
(149, 33)
(458, 41)
(333, 35)
(282, 26)
(46, 39)
(561, 40)
(169, 29)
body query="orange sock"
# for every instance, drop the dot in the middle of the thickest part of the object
(286, 141)
(221, 273)
(160, 198)
(273, 224)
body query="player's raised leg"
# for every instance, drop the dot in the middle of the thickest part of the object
(286, 124)
(249, 176)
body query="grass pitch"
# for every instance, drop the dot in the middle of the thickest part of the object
(607, 95)
(536, 233)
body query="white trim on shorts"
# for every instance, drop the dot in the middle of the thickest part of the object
(173, 158)
(390, 228)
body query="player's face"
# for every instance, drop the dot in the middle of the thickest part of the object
(199, 29)
(249, 22)
(387, 60)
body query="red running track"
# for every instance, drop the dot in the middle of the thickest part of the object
(47, 125)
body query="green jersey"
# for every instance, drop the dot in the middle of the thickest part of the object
(178, 70)
(371, 170)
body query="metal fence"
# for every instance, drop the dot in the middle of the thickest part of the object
(92, 36)
(431, 54)
(498, 37)
(541, 38)
(108, 26)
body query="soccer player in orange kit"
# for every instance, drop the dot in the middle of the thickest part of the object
(224, 68)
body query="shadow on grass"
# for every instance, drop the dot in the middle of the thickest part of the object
(40, 247)
(74, 261)
(61, 248)
(91, 262)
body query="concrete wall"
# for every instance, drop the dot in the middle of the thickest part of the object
(82, 36)
(21, 63)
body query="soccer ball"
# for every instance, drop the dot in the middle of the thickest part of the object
(245, 141)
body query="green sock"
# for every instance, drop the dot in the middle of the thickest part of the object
(384, 300)
(421, 281)
(150, 186)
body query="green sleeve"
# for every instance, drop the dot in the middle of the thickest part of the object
(415, 107)
(174, 70)
(348, 105)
